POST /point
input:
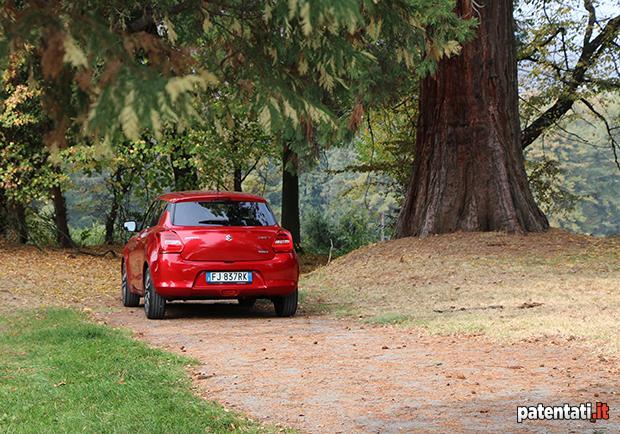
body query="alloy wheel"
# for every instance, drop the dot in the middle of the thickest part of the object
(147, 291)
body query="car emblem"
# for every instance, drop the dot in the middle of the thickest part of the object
(228, 237)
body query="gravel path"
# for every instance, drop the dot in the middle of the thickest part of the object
(322, 375)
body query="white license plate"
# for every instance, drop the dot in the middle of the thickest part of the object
(229, 277)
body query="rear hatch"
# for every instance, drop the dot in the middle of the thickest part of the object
(227, 243)
(225, 230)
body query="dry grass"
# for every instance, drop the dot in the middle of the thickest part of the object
(309, 262)
(55, 277)
(473, 283)
(506, 286)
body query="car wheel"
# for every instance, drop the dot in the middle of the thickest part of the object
(129, 298)
(287, 305)
(247, 302)
(154, 304)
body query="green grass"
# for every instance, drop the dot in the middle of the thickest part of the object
(60, 372)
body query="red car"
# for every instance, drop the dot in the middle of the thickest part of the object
(209, 245)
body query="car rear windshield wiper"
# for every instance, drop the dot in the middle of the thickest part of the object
(214, 222)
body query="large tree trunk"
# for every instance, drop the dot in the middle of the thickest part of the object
(468, 172)
(60, 217)
(290, 195)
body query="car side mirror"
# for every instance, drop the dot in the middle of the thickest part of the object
(130, 226)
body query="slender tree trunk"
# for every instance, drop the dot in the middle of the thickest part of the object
(20, 219)
(60, 217)
(238, 179)
(185, 178)
(290, 195)
(3, 214)
(120, 187)
(14, 221)
(468, 173)
(110, 221)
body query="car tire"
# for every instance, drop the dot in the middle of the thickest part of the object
(129, 298)
(286, 306)
(154, 304)
(247, 302)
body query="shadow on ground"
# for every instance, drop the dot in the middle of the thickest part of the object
(222, 310)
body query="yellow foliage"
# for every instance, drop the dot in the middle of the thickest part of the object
(74, 54)
(306, 25)
(129, 118)
(264, 118)
(172, 35)
(178, 85)
(452, 48)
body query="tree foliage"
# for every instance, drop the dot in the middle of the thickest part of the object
(581, 190)
(569, 53)
(212, 91)
(138, 64)
(26, 172)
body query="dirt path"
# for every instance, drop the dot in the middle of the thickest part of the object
(323, 375)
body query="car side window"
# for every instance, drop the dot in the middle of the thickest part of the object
(158, 210)
(148, 216)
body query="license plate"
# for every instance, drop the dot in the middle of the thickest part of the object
(229, 277)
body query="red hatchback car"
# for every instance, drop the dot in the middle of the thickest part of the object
(209, 245)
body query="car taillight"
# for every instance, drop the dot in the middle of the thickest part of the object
(283, 242)
(170, 242)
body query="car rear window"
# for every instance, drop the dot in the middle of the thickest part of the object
(223, 213)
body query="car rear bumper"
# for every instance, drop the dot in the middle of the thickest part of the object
(174, 277)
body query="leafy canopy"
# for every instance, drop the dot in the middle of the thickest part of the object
(139, 65)
(26, 172)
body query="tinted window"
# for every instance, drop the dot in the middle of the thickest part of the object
(160, 207)
(147, 217)
(226, 213)
(154, 213)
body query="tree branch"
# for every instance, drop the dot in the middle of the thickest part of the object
(529, 55)
(147, 20)
(591, 51)
(614, 144)
(251, 169)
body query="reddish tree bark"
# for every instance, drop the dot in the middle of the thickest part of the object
(468, 172)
